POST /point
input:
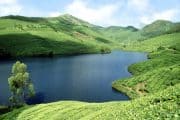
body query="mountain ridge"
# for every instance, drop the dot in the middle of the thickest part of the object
(69, 28)
(69, 16)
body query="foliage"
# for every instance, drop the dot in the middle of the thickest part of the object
(161, 105)
(159, 72)
(24, 36)
(157, 77)
(155, 84)
(35, 36)
(20, 84)
(160, 27)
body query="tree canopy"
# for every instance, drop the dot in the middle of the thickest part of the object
(20, 84)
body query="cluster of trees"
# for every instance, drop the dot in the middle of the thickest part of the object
(20, 85)
(105, 50)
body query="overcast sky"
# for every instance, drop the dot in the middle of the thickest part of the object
(98, 12)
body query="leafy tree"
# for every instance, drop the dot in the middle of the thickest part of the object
(20, 84)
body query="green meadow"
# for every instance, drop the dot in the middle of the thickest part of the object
(154, 87)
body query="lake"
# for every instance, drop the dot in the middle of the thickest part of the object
(81, 77)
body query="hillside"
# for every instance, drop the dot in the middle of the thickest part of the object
(162, 105)
(120, 34)
(154, 43)
(159, 72)
(131, 34)
(154, 86)
(160, 27)
(66, 33)
(25, 44)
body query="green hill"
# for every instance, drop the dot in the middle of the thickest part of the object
(161, 105)
(120, 34)
(154, 43)
(159, 72)
(131, 34)
(160, 27)
(154, 86)
(78, 36)
(24, 44)
(69, 29)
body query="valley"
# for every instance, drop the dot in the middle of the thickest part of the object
(154, 87)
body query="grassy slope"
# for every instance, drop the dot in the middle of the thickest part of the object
(125, 35)
(162, 105)
(61, 35)
(159, 72)
(23, 44)
(156, 81)
(120, 34)
(79, 36)
(152, 44)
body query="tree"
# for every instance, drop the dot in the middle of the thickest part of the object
(20, 84)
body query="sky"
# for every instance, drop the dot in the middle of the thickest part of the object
(99, 12)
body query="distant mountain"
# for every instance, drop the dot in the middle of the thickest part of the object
(131, 28)
(130, 33)
(70, 32)
(160, 27)
(119, 34)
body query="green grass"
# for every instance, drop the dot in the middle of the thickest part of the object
(23, 36)
(4, 109)
(154, 43)
(159, 72)
(31, 45)
(69, 29)
(154, 86)
(160, 27)
(161, 105)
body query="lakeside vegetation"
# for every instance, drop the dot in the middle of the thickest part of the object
(161, 105)
(20, 85)
(159, 72)
(154, 86)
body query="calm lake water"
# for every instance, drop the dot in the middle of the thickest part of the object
(81, 77)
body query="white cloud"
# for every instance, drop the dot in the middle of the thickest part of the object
(2, 2)
(140, 5)
(54, 14)
(102, 15)
(164, 15)
(123, 12)
(8, 7)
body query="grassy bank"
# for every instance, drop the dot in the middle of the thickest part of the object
(155, 85)
(157, 73)
(161, 105)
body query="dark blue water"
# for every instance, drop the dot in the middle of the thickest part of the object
(82, 77)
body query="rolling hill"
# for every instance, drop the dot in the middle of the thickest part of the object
(35, 33)
(162, 105)
(154, 86)
(67, 34)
